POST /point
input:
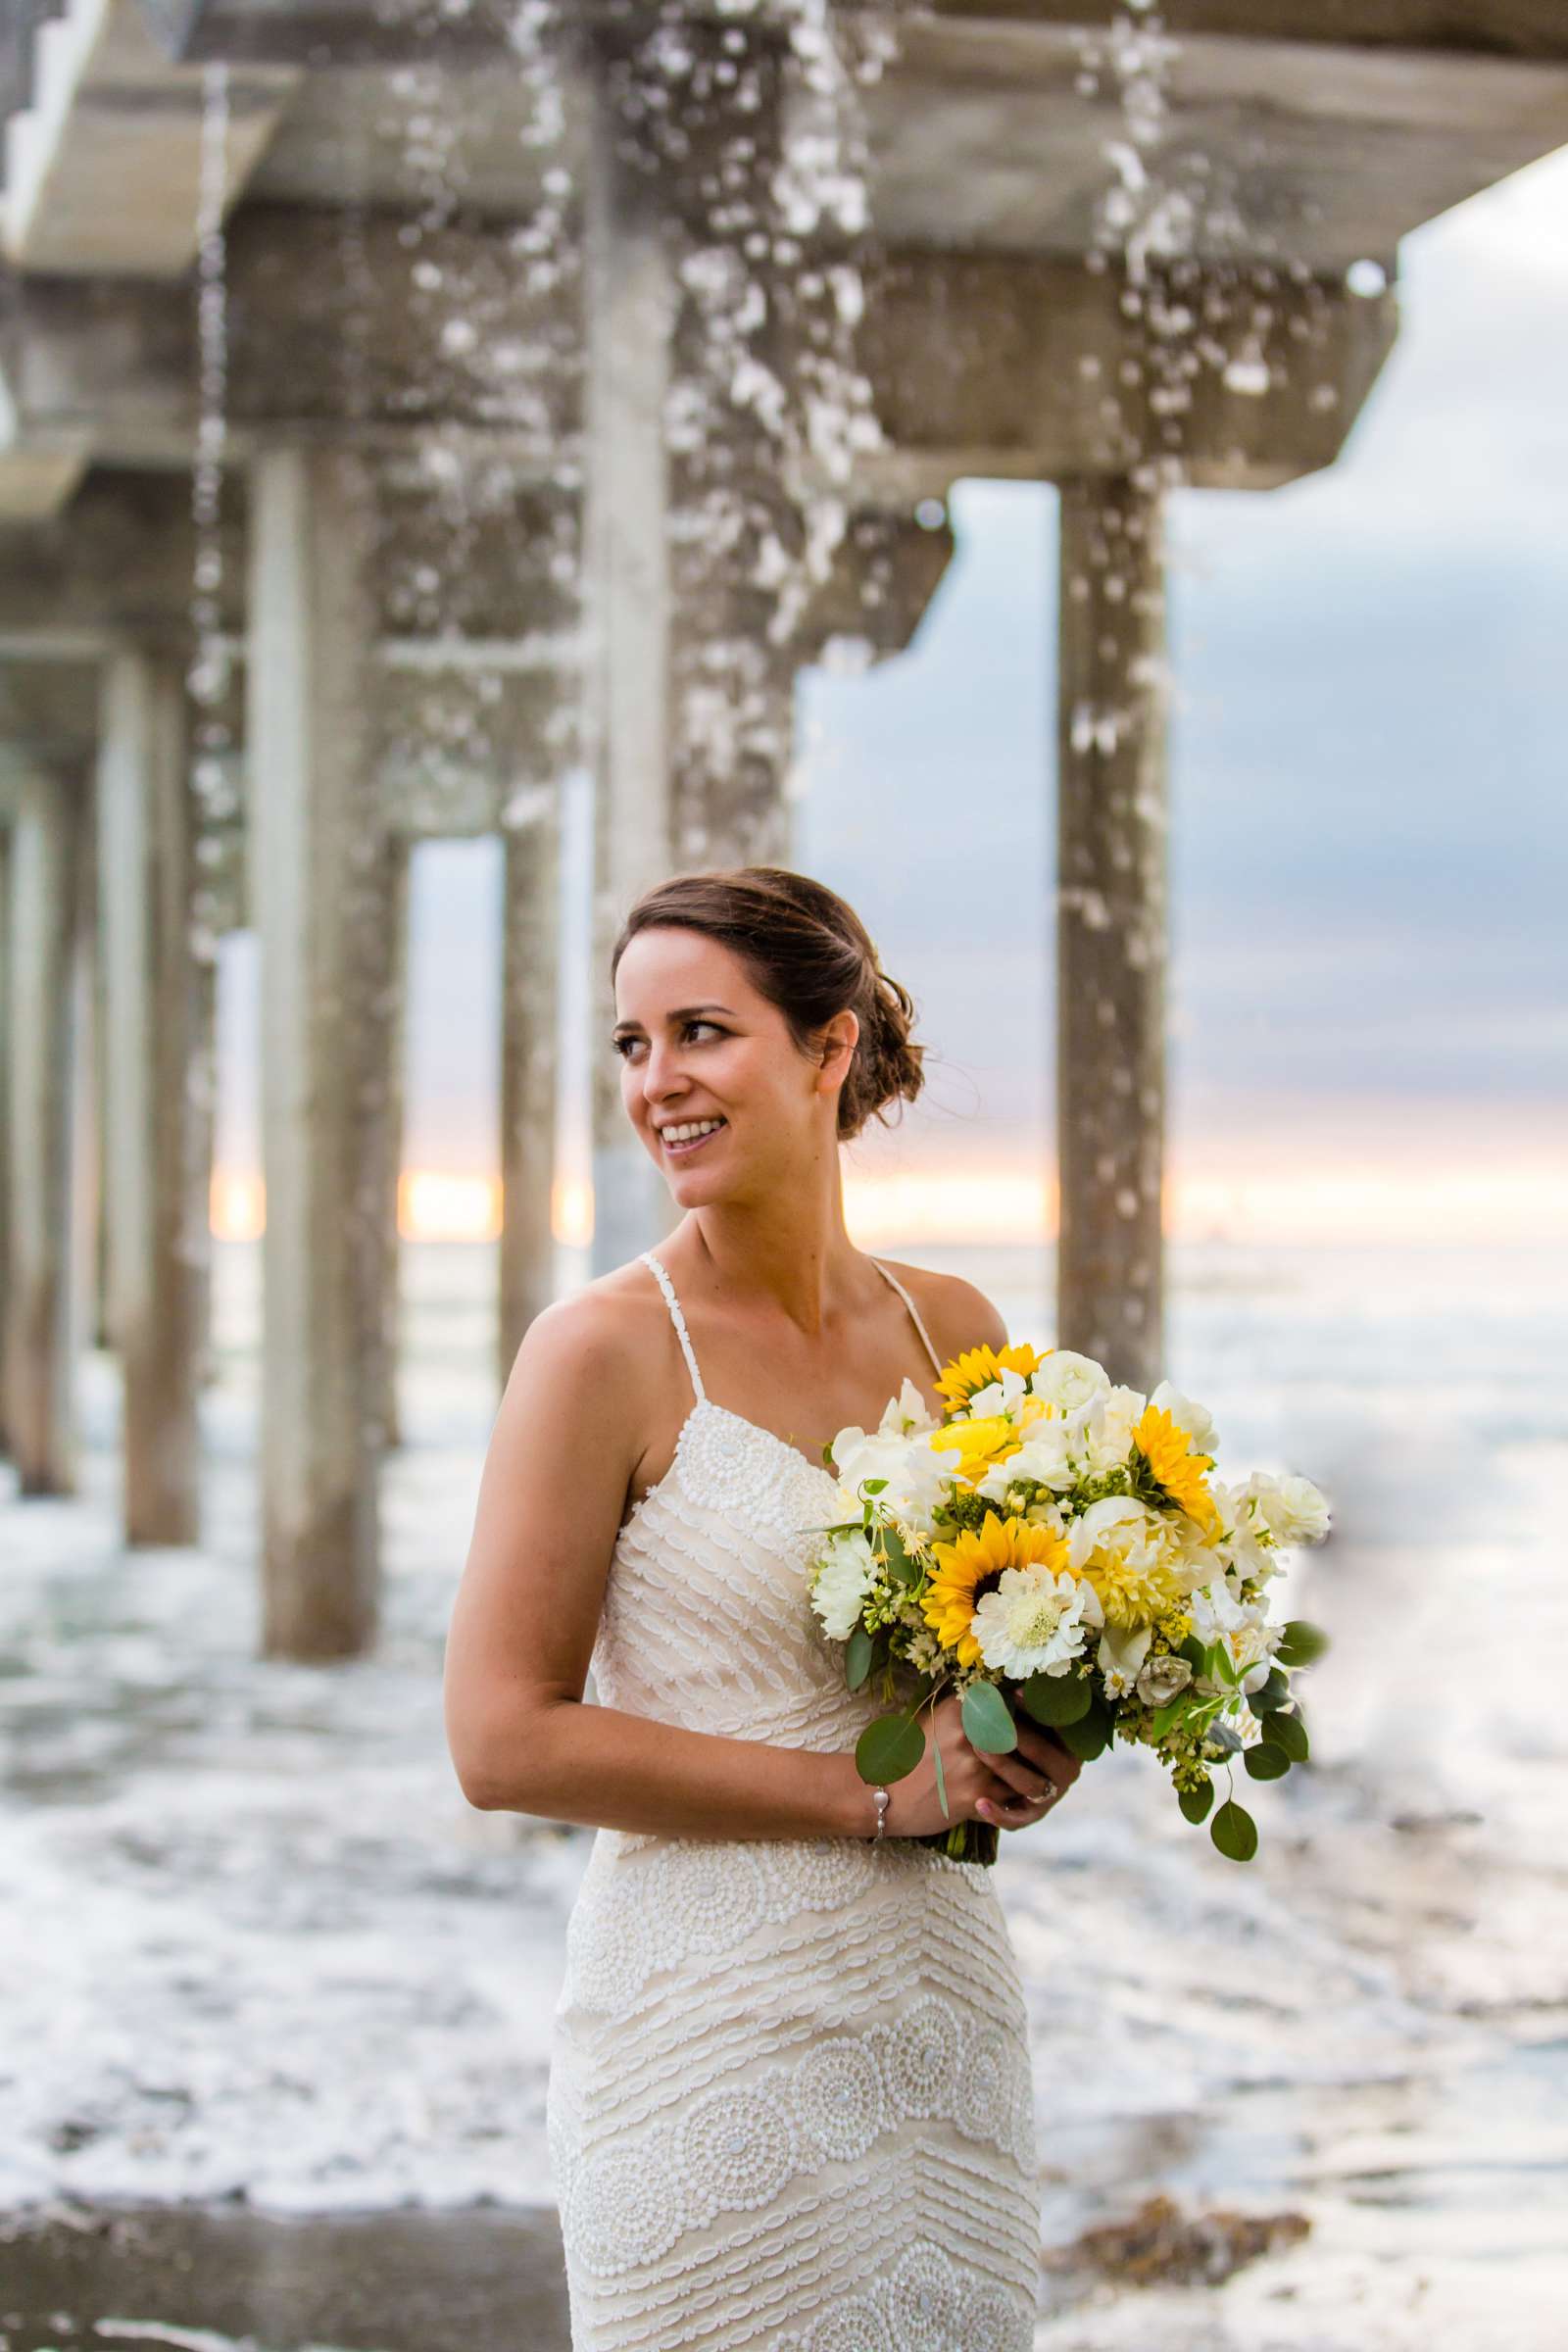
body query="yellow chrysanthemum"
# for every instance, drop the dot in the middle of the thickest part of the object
(977, 1367)
(1165, 1446)
(975, 1560)
(1132, 1556)
(1132, 1591)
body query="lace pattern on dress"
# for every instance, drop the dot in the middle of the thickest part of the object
(713, 1893)
(735, 2148)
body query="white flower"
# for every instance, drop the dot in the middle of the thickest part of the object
(906, 1412)
(1104, 1428)
(1045, 1454)
(841, 1582)
(1068, 1381)
(1196, 1563)
(1194, 1418)
(1121, 1654)
(1238, 1548)
(1032, 1622)
(998, 1396)
(1290, 1507)
(1243, 1626)
(916, 1476)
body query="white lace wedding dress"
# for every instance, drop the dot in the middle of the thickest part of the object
(790, 2103)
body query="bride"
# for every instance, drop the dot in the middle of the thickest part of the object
(790, 2102)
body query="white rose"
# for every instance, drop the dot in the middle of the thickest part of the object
(1068, 1381)
(1290, 1507)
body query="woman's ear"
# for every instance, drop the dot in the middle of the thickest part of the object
(840, 1037)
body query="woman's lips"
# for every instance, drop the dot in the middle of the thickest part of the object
(683, 1151)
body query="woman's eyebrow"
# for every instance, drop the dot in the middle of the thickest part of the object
(681, 1013)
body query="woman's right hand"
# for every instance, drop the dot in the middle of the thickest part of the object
(1017, 1785)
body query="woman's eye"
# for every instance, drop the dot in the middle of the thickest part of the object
(621, 1045)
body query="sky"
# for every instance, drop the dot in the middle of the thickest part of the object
(1368, 992)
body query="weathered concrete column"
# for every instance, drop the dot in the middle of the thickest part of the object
(396, 1036)
(630, 297)
(156, 1204)
(6, 1036)
(321, 874)
(204, 1128)
(529, 1004)
(43, 1023)
(631, 304)
(1112, 926)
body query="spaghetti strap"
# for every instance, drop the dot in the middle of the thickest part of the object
(936, 1360)
(679, 1321)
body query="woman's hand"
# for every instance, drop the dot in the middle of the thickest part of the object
(1038, 1760)
(1012, 1786)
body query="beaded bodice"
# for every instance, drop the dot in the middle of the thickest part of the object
(707, 1619)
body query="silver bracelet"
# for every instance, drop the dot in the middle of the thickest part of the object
(883, 1800)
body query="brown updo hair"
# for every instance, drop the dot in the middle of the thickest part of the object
(808, 951)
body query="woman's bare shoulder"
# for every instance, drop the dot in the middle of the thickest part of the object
(606, 1330)
(958, 1314)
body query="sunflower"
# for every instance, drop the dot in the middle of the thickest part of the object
(1167, 1447)
(977, 1367)
(973, 1562)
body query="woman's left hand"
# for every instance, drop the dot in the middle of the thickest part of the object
(1040, 1771)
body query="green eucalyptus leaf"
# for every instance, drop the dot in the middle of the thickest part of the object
(1270, 1694)
(1234, 1831)
(1265, 1762)
(988, 1720)
(1286, 1732)
(942, 1778)
(1195, 1802)
(857, 1653)
(1196, 1655)
(1057, 1698)
(889, 1749)
(1302, 1642)
(1090, 1735)
(1175, 1710)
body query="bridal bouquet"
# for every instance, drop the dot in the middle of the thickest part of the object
(1057, 1543)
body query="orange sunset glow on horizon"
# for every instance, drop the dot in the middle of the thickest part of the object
(1344, 1201)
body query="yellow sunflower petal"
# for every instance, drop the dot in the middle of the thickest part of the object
(977, 1367)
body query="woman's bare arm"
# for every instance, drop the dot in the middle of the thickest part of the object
(560, 1457)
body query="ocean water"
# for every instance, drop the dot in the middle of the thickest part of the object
(260, 1949)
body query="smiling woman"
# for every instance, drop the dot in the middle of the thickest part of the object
(788, 2035)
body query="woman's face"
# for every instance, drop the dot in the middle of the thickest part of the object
(711, 1077)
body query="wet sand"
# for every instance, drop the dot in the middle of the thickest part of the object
(176, 2274)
